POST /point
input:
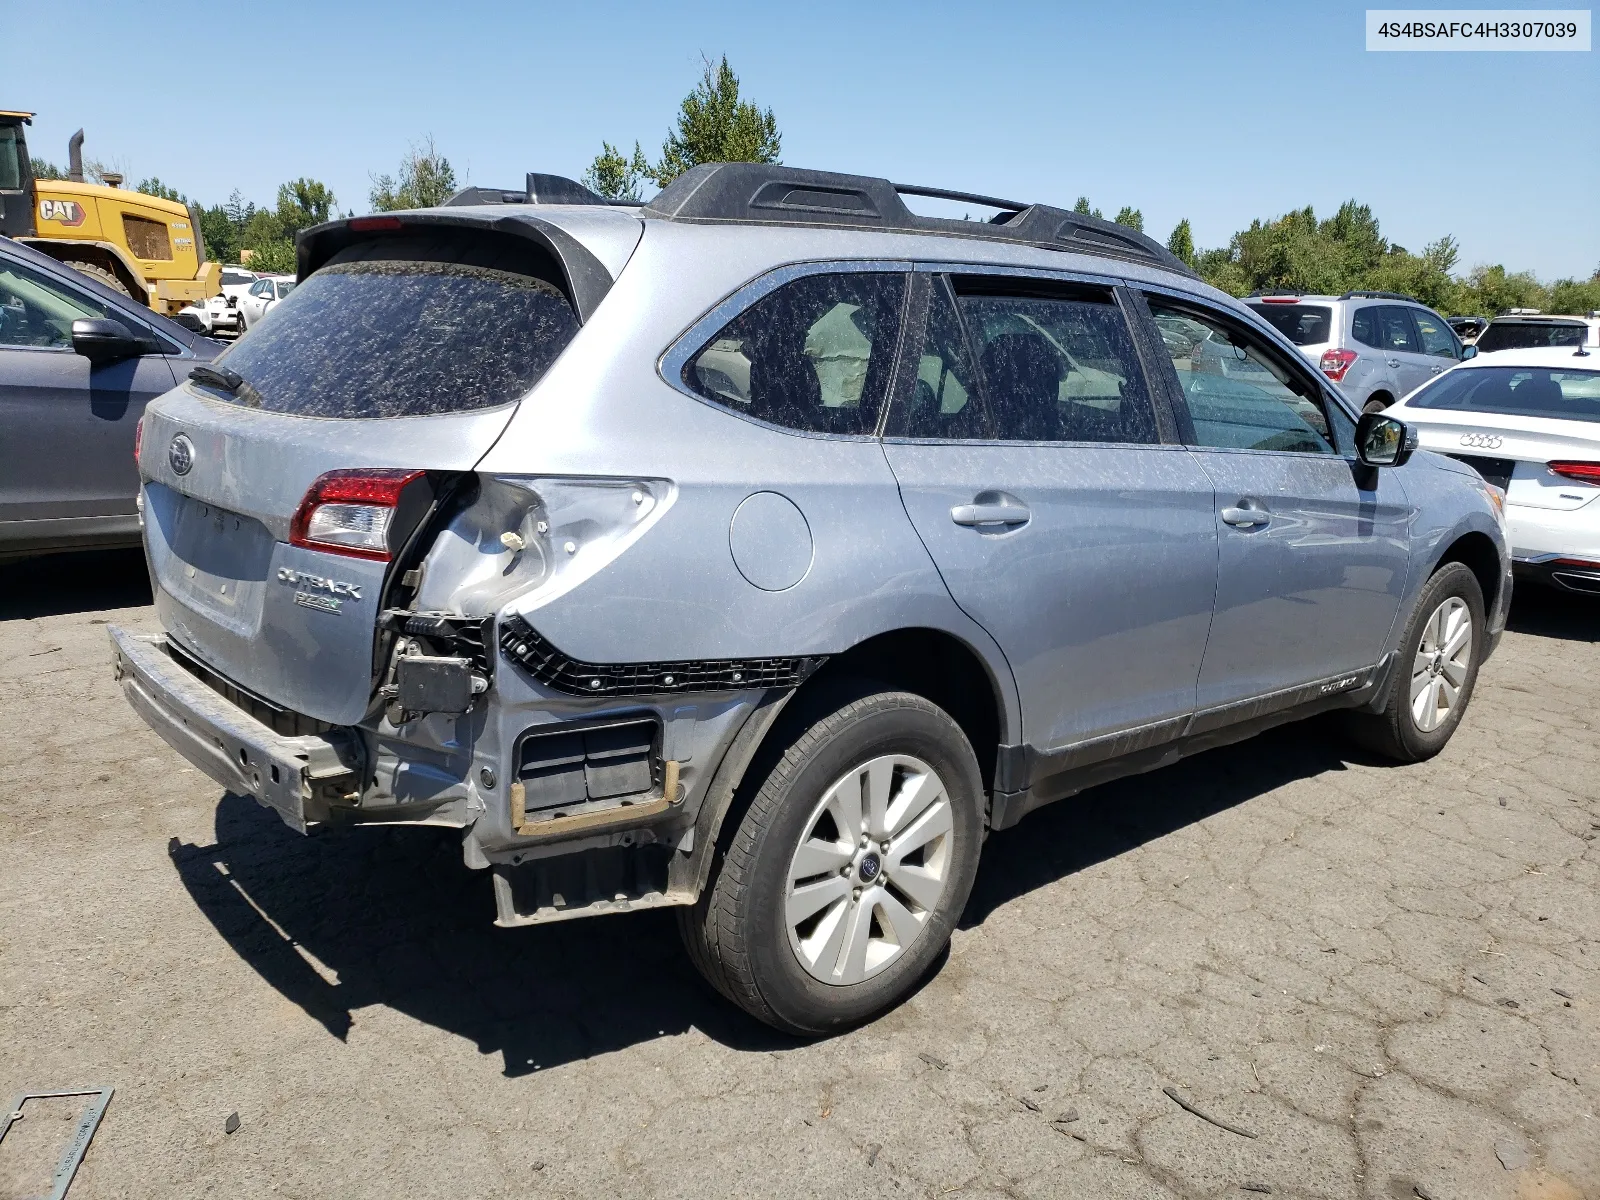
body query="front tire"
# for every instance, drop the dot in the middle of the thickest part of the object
(1435, 672)
(846, 875)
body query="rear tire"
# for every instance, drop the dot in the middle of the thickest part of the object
(100, 275)
(1434, 672)
(812, 926)
(1377, 404)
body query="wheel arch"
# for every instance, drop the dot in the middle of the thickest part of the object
(933, 663)
(1476, 551)
(107, 255)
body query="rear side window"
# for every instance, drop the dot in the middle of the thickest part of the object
(1302, 324)
(1530, 335)
(1058, 370)
(815, 355)
(409, 327)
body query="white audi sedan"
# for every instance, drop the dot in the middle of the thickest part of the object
(1529, 422)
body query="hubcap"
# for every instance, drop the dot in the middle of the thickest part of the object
(1439, 670)
(869, 870)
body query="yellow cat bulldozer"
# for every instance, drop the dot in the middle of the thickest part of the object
(143, 246)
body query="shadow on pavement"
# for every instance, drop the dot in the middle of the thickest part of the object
(72, 583)
(1545, 612)
(358, 917)
(1075, 833)
(394, 918)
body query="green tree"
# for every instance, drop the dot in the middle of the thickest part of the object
(46, 170)
(426, 180)
(154, 187)
(220, 233)
(1181, 242)
(1571, 296)
(303, 203)
(274, 258)
(1082, 209)
(615, 177)
(714, 125)
(1131, 217)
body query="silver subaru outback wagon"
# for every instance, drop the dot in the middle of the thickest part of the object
(758, 550)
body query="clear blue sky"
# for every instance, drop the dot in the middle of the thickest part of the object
(1216, 112)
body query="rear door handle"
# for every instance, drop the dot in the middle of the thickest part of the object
(1246, 516)
(1435, 370)
(1393, 362)
(1008, 511)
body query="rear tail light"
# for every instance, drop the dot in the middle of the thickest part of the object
(1336, 362)
(374, 224)
(1583, 472)
(349, 512)
(1576, 562)
(138, 438)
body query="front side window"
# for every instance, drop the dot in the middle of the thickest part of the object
(1059, 369)
(36, 310)
(10, 157)
(1515, 391)
(815, 355)
(1240, 397)
(1395, 322)
(1436, 337)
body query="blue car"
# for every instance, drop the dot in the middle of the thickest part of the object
(757, 550)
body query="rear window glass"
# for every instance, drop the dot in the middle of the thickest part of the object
(398, 337)
(1302, 324)
(1530, 335)
(1516, 391)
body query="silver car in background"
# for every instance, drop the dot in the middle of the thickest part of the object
(758, 550)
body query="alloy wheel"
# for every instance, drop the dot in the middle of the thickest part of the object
(872, 863)
(1439, 669)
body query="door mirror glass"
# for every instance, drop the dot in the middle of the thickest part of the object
(103, 340)
(1468, 352)
(1382, 441)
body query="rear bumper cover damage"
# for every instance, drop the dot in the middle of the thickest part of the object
(300, 778)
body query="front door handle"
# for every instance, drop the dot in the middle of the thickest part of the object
(1246, 517)
(991, 509)
(1435, 370)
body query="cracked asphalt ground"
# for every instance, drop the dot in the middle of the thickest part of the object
(1390, 976)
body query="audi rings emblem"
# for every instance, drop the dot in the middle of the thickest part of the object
(180, 455)
(1482, 441)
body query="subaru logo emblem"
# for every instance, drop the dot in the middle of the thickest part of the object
(180, 455)
(870, 866)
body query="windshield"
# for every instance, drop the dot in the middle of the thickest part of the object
(401, 338)
(1561, 395)
(1530, 335)
(1302, 324)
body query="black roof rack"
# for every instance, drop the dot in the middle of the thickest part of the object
(1365, 295)
(539, 189)
(763, 194)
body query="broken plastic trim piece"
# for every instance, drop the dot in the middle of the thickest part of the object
(82, 1133)
(524, 646)
(590, 822)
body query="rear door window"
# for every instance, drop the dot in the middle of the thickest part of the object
(944, 403)
(1364, 327)
(1398, 332)
(814, 355)
(1058, 369)
(408, 326)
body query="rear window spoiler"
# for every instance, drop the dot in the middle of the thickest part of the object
(586, 278)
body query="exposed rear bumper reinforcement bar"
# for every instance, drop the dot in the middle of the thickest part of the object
(298, 777)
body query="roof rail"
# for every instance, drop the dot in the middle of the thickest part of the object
(766, 194)
(1272, 292)
(1366, 295)
(539, 189)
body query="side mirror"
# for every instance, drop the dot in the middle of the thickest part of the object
(1382, 441)
(102, 340)
(1468, 352)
